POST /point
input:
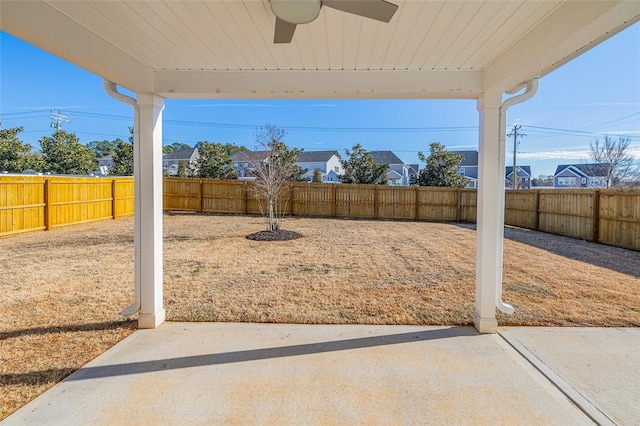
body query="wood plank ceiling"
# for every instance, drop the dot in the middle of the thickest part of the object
(237, 35)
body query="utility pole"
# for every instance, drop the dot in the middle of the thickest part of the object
(57, 118)
(514, 173)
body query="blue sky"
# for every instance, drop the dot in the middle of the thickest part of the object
(596, 94)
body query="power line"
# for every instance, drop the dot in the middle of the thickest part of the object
(58, 118)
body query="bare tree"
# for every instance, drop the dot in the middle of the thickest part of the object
(273, 173)
(614, 159)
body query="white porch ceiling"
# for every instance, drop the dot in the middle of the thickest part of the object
(224, 48)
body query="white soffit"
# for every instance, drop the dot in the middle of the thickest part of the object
(224, 48)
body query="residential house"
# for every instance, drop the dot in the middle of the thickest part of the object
(394, 178)
(580, 176)
(398, 171)
(329, 164)
(469, 167)
(414, 172)
(327, 161)
(523, 177)
(105, 164)
(243, 162)
(171, 160)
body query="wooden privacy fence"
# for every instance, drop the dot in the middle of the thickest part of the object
(605, 216)
(36, 203)
(39, 203)
(326, 200)
(608, 216)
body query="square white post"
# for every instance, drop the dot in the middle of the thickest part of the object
(490, 217)
(148, 219)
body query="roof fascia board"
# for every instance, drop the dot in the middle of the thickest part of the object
(575, 27)
(45, 27)
(578, 172)
(572, 170)
(372, 84)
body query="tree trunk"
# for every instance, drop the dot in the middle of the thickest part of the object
(272, 219)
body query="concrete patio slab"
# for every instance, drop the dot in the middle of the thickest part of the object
(599, 365)
(224, 373)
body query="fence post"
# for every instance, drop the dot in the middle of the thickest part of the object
(334, 190)
(246, 197)
(200, 196)
(47, 205)
(459, 206)
(114, 201)
(596, 216)
(416, 212)
(375, 201)
(536, 210)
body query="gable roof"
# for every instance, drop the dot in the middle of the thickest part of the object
(183, 154)
(522, 170)
(315, 156)
(393, 175)
(249, 156)
(592, 169)
(414, 167)
(387, 157)
(470, 158)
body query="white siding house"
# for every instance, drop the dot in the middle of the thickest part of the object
(171, 161)
(327, 161)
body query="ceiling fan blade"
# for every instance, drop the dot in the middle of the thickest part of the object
(284, 31)
(380, 10)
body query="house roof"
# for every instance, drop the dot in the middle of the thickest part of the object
(225, 49)
(414, 167)
(393, 175)
(106, 157)
(470, 158)
(591, 170)
(315, 156)
(183, 154)
(249, 156)
(386, 157)
(522, 170)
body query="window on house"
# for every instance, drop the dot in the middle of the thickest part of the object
(583, 181)
(566, 181)
(461, 171)
(336, 169)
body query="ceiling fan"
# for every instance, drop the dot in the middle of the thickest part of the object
(290, 13)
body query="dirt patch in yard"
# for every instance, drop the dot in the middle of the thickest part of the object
(62, 291)
(277, 235)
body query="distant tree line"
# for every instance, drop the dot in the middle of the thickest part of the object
(62, 153)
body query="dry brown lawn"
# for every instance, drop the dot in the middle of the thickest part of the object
(62, 290)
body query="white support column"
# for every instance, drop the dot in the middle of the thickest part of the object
(490, 216)
(148, 220)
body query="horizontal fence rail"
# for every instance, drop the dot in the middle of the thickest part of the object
(608, 216)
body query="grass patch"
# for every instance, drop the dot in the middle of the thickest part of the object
(63, 290)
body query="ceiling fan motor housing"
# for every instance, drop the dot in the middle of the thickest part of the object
(296, 11)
